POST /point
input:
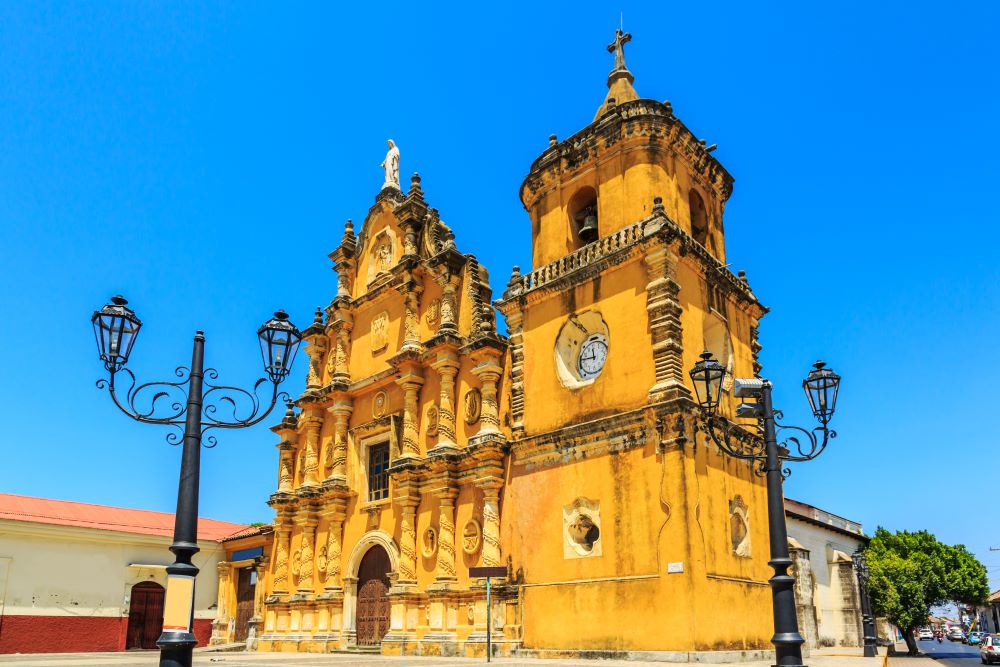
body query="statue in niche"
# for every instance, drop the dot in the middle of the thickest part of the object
(380, 331)
(382, 254)
(391, 166)
(473, 406)
(429, 543)
(582, 529)
(739, 527)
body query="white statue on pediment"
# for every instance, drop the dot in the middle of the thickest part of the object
(391, 166)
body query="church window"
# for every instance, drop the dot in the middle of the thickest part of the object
(715, 330)
(699, 218)
(583, 214)
(378, 472)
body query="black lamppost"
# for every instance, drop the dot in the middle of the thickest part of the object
(867, 620)
(186, 403)
(742, 442)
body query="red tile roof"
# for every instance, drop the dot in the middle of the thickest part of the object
(249, 531)
(102, 517)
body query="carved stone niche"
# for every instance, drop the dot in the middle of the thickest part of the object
(432, 421)
(473, 406)
(739, 527)
(582, 529)
(383, 254)
(472, 536)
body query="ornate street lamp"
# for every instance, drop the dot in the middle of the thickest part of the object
(192, 405)
(867, 620)
(743, 442)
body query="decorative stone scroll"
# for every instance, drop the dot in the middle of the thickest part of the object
(432, 314)
(472, 537)
(380, 331)
(473, 406)
(432, 421)
(380, 404)
(582, 529)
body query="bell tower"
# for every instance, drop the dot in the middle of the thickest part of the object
(607, 176)
(628, 286)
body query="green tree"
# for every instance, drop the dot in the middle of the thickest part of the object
(912, 572)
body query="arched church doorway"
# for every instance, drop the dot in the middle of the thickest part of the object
(373, 597)
(145, 615)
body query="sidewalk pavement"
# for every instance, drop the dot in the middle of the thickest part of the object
(843, 657)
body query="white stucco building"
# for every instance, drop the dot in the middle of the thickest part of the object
(826, 589)
(80, 577)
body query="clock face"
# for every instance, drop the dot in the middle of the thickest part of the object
(593, 353)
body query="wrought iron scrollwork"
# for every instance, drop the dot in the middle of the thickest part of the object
(739, 441)
(165, 403)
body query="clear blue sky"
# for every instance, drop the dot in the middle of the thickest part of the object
(202, 160)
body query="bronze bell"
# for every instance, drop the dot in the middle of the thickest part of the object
(588, 230)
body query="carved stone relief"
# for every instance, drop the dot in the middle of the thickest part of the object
(380, 403)
(582, 529)
(472, 536)
(429, 543)
(432, 421)
(382, 253)
(380, 331)
(473, 406)
(433, 314)
(739, 527)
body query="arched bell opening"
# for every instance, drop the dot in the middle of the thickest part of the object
(699, 218)
(582, 211)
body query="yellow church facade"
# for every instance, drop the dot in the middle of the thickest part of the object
(565, 450)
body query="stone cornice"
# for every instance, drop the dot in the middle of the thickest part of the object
(648, 118)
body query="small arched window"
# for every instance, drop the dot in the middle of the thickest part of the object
(699, 218)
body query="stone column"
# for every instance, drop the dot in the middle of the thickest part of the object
(311, 420)
(337, 456)
(411, 384)
(491, 523)
(447, 366)
(515, 330)
(282, 547)
(286, 465)
(333, 549)
(220, 628)
(316, 351)
(488, 371)
(446, 538)
(305, 555)
(411, 319)
(256, 623)
(408, 538)
(664, 313)
(449, 303)
(342, 348)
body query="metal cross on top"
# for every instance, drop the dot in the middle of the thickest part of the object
(617, 47)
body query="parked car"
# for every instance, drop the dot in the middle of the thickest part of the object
(956, 635)
(989, 650)
(974, 638)
(925, 634)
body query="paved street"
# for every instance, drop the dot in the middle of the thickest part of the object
(951, 654)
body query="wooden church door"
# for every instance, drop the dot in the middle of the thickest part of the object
(373, 597)
(145, 616)
(245, 587)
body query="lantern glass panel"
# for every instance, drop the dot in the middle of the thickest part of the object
(707, 376)
(821, 387)
(279, 341)
(115, 329)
